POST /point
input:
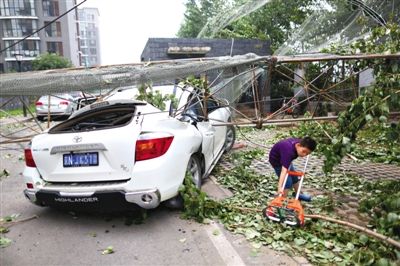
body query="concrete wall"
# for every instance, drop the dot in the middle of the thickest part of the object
(157, 48)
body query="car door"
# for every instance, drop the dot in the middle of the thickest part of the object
(217, 115)
(193, 108)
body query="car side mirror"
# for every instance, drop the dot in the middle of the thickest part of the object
(189, 118)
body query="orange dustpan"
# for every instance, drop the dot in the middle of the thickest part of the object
(284, 210)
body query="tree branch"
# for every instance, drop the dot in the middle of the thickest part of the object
(386, 239)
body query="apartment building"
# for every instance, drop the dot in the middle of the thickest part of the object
(19, 18)
(89, 42)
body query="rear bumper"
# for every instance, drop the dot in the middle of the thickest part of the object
(53, 114)
(102, 200)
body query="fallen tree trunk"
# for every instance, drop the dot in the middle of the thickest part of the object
(386, 239)
(357, 227)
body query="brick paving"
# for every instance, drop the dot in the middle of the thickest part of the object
(372, 171)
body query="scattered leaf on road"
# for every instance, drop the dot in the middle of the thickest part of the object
(4, 173)
(3, 230)
(216, 232)
(4, 242)
(108, 250)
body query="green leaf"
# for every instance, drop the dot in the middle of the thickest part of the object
(4, 242)
(350, 246)
(216, 232)
(254, 253)
(345, 140)
(251, 233)
(108, 250)
(382, 119)
(299, 241)
(4, 173)
(363, 239)
(3, 230)
(383, 262)
(9, 218)
(256, 245)
(368, 117)
(329, 244)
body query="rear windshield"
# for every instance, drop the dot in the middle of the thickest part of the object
(100, 118)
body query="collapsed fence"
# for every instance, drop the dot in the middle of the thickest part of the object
(227, 78)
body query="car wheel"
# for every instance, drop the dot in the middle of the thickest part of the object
(229, 138)
(295, 113)
(194, 170)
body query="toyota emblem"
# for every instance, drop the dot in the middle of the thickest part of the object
(77, 139)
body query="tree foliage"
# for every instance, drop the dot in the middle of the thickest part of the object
(197, 13)
(274, 21)
(375, 102)
(154, 97)
(50, 61)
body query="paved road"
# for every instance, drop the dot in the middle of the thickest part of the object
(63, 238)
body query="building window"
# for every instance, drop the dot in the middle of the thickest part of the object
(81, 15)
(53, 29)
(84, 51)
(92, 42)
(93, 60)
(28, 48)
(51, 8)
(91, 34)
(55, 48)
(19, 27)
(83, 43)
(93, 51)
(17, 8)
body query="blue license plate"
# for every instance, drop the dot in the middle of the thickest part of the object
(81, 159)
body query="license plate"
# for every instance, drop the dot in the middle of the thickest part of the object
(81, 159)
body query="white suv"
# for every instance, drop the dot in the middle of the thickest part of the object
(125, 153)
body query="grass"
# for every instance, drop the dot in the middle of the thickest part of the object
(15, 112)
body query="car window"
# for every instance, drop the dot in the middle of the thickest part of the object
(194, 106)
(212, 105)
(101, 118)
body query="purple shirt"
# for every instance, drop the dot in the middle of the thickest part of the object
(283, 153)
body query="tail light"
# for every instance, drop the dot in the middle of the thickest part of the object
(39, 104)
(152, 145)
(64, 103)
(29, 158)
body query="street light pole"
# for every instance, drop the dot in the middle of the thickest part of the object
(18, 58)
